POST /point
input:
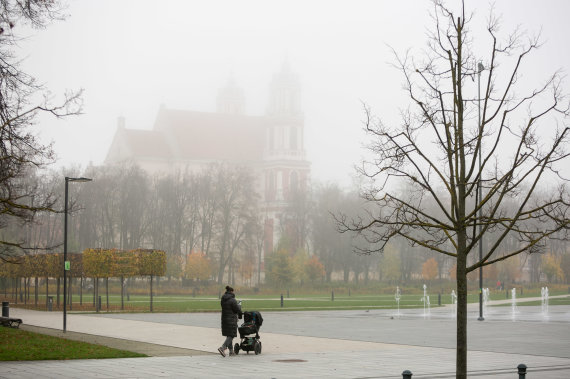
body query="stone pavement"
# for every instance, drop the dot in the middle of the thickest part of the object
(335, 344)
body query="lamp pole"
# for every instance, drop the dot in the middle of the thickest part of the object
(66, 265)
(480, 68)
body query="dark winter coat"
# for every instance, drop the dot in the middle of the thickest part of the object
(230, 312)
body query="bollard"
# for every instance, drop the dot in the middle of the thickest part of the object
(5, 309)
(407, 374)
(50, 303)
(332, 295)
(281, 300)
(439, 299)
(522, 371)
(507, 294)
(98, 303)
(521, 291)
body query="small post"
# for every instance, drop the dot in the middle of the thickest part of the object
(349, 292)
(5, 309)
(439, 299)
(407, 374)
(522, 371)
(98, 304)
(287, 294)
(50, 303)
(521, 291)
(507, 294)
(281, 300)
(332, 295)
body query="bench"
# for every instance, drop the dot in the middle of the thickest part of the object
(10, 322)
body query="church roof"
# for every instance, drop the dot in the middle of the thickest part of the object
(147, 143)
(212, 136)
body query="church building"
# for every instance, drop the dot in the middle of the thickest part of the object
(271, 145)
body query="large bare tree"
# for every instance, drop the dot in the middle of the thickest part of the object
(21, 99)
(442, 154)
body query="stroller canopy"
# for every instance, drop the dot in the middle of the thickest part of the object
(253, 316)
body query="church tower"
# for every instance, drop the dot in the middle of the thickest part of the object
(286, 170)
(231, 99)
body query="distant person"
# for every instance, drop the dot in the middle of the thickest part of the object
(499, 285)
(231, 311)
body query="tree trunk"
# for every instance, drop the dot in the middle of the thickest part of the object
(151, 293)
(461, 357)
(36, 290)
(58, 288)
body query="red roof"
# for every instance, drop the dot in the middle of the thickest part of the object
(216, 136)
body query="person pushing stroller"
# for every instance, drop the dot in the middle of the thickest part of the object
(231, 311)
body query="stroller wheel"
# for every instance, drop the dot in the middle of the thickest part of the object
(257, 347)
(236, 348)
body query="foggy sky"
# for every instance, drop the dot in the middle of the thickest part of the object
(133, 56)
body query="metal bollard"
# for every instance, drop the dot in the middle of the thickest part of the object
(50, 303)
(98, 303)
(5, 309)
(407, 374)
(507, 294)
(332, 295)
(439, 299)
(281, 300)
(522, 371)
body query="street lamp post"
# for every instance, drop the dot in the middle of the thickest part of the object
(65, 263)
(480, 68)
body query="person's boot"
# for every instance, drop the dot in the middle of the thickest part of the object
(221, 351)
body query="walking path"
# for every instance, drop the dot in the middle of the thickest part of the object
(335, 344)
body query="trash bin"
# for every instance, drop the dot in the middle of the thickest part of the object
(50, 303)
(5, 309)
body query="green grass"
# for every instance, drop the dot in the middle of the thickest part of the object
(21, 345)
(170, 303)
(264, 302)
(557, 301)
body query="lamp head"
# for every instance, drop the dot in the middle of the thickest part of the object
(80, 180)
(480, 67)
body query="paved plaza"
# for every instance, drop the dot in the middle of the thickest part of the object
(335, 344)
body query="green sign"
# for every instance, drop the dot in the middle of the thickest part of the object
(67, 265)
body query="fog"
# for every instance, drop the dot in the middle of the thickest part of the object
(133, 56)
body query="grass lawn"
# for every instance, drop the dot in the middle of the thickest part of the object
(172, 303)
(296, 301)
(21, 345)
(557, 301)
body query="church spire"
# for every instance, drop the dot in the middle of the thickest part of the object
(231, 99)
(284, 93)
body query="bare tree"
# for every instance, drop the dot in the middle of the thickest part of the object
(441, 146)
(20, 150)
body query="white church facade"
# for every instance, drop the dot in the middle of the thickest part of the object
(271, 145)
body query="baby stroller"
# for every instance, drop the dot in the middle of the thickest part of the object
(249, 341)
